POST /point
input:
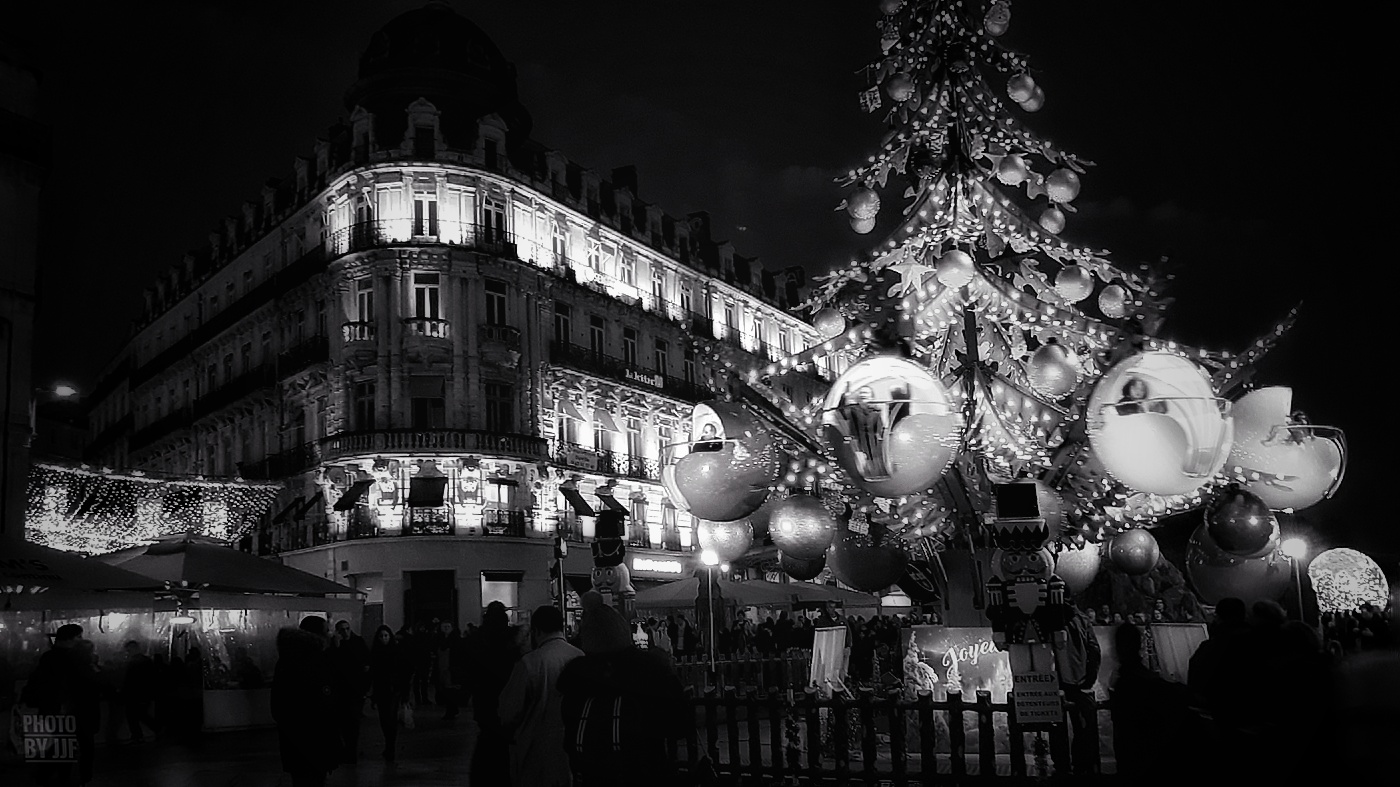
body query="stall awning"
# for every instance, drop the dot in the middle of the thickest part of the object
(426, 492)
(611, 503)
(286, 512)
(305, 508)
(604, 420)
(352, 495)
(567, 407)
(581, 506)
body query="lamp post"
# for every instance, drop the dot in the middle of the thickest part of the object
(1295, 549)
(710, 559)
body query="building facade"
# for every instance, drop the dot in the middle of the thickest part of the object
(448, 343)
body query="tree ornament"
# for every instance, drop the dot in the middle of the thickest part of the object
(900, 86)
(863, 226)
(1239, 522)
(1078, 565)
(1113, 301)
(891, 425)
(1052, 220)
(731, 464)
(1074, 283)
(864, 203)
(1020, 87)
(1344, 579)
(997, 19)
(761, 518)
(1012, 170)
(1062, 185)
(829, 323)
(798, 568)
(1134, 552)
(1053, 371)
(728, 540)
(888, 7)
(1155, 423)
(1035, 102)
(1216, 574)
(867, 562)
(1305, 462)
(802, 527)
(954, 268)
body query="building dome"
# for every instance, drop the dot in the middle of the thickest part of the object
(436, 54)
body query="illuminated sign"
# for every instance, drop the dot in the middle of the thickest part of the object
(654, 380)
(658, 566)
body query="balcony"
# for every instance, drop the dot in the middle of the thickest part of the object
(177, 419)
(385, 233)
(430, 327)
(358, 332)
(251, 381)
(499, 344)
(505, 522)
(586, 360)
(283, 464)
(608, 462)
(311, 351)
(431, 440)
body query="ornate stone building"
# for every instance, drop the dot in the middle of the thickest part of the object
(449, 344)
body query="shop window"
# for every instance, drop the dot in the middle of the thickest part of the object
(502, 586)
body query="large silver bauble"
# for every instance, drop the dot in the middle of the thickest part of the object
(1216, 574)
(829, 323)
(955, 268)
(997, 19)
(1134, 551)
(888, 7)
(798, 568)
(1113, 301)
(863, 226)
(728, 540)
(1062, 185)
(1036, 100)
(1078, 566)
(1074, 283)
(1053, 371)
(1052, 220)
(1020, 87)
(864, 203)
(802, 527)
(1240, 522)
(1012, 170)
(900, 86)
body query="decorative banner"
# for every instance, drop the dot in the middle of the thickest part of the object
(50, 737)
(939, 659)
(828, 659)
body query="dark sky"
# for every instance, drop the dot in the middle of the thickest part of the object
(1226, 140)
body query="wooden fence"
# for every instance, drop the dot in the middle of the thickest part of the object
(789, 670)
(885, 740)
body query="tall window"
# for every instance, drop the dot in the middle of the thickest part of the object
(783, 346)
(245, 357)
(321, 317)
(428, 402)
(658, 284)
(211, 380)
(364, 300)
(228, 367)
(661, 356)
(560, 242)
(688, 372)
(634, 437)
(564, 429)
(493, 219)
(425, 214)
(500, 408)
(760, 337)
(729, 321)
(563, 324)
(629, 346)
(595, 254)
(362, 406)
(266, 352)
(687, 298)
(600, 438)
(185, 397)
(595, 334)
(426, 302)
(627, 270)
(495, 302)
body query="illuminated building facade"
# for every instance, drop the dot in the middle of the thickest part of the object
(447, 342)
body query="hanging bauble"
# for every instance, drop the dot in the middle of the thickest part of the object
(1306, 462)
(799, 568)
(955, 268)
(1020, 87)
(997, 19)
(728, 540)
(863, 203)
(1239, 521)
(1134, 551)
(1053, 371)
(891, 425)
(1113, 301)
(888, 7)
(1155, 423)
(802, 527)
(866, 562)
(1012, 170)
(829, 323)
(863, 226)
(1344, 579)
(1036, 100)
(1074, 283)
(1078, 566)
(1216, 574)
(1062, 185)
(761, 518)
(731, 464)
(1052, 220)
(900, 86)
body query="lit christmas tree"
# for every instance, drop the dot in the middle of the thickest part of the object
(980, 347)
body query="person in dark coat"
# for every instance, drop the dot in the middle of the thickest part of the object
(494, 651)
(65, 682)
(303, 703)
(191, 696)
(1149, 714)
(389, 685)
(138, 690)
(350, 661)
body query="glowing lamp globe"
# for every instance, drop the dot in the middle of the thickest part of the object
(863, 203)
(1344, 579)
(1156, 425)
(802, 527)
(891, 425)
(1134, 552)
(1074, 283)
(1239, 522)
(1304, 463)
(1078, 566)
(1216, 574)
(1113, 301)
(829, 323)
(865, 563)
(728, 540)
(954, 268)
(1012, 170)
(1052, 220)
(1053, 371)
(731, 463)
(797, 568)
(1020, 88)
(1062, 185)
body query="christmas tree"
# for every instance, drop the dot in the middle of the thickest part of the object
(981, 348)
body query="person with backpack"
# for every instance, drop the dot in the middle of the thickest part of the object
(1077, 658)
(621, 706)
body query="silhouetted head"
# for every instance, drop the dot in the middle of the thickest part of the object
(547, 620)
(315, 624)
(1230, 612)
(1128, 639)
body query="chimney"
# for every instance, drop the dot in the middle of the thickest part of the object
(625, 178)
(699, 225)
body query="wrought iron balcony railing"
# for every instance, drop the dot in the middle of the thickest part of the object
(609, 462)
(592, 362)
(351, 443)
(382, 233)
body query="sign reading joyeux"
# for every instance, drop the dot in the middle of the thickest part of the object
(938, 658)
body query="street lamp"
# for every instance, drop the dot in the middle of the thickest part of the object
(63, 391)
(710, 559)
(1295, 549)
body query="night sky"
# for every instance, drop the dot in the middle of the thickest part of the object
(1232, 143)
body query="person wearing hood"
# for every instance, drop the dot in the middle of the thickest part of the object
(303, 703)
(620, 705)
